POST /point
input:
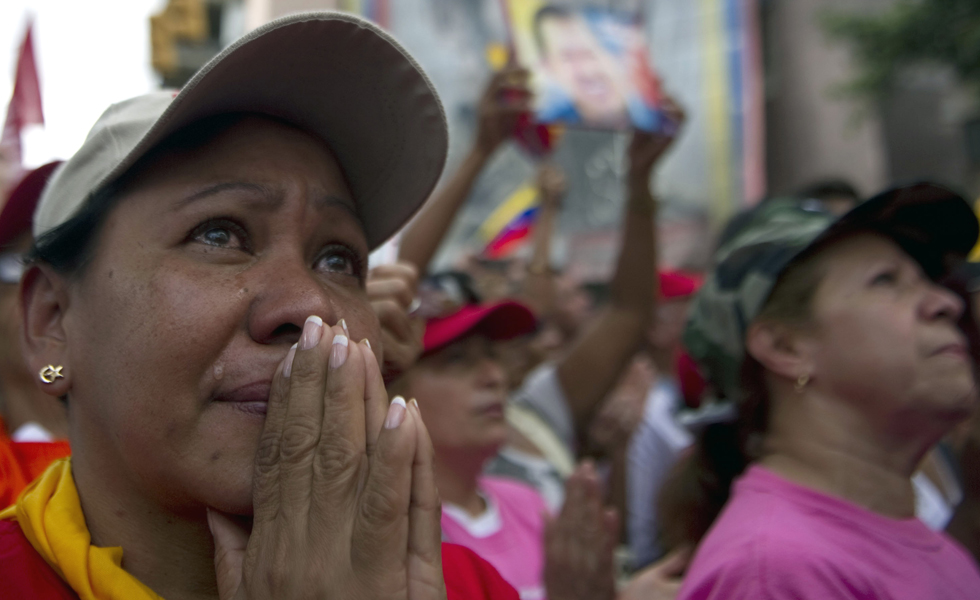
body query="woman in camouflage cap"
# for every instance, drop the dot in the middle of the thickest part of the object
(845, 362)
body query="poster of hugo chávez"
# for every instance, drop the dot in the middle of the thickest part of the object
(589, 65)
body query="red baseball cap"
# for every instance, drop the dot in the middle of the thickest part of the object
(498, 321)
(678, 284)
(18, 212)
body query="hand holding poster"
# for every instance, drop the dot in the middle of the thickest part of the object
(589, 65)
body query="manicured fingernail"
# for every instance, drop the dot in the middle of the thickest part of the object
(415, 403)
(343, 325)
(338, 352)
(396, 413)
(287, 365)
(312, 332)
(367, 343)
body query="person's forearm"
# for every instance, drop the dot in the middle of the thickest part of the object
(539, 284)
(600, 354)
(633, 285)
(426, 232)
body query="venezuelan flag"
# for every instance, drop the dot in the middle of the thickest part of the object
(510, 225)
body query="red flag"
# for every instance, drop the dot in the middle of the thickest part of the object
(25, 103)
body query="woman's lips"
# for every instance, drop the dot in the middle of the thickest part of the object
(493, 410)
(956, 349)
(251, 398)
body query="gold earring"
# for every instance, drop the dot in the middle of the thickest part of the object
(49, 373)
(801, 382)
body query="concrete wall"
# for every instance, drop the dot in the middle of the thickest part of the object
(811, 133)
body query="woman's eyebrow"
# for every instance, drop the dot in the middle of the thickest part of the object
(268, 198)
(326, 201)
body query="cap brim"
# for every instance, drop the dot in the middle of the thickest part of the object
(501, 321)
(932, 223)
(341, 79)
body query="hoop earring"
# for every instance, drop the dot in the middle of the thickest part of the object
(801, 382)
(49, 373)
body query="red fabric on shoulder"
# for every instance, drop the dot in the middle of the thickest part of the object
(12, 478)
(36, 457)
(23, 572)
(22, 462)
(26, 575)
(469, 577)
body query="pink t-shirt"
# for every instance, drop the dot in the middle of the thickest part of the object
(776, 539)
(509, 534)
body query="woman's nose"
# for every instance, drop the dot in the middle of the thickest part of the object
(941, 302)
(492, 374)
(286, 292)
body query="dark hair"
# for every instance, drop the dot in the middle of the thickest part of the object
(69, 247)
(548, 11)
(829, 188)
(700, 484)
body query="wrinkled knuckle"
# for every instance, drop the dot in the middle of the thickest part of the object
(337, 457)
(267, 453)
(298, 440)
(381, 507)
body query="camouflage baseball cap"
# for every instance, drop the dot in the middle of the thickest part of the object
(931, 223)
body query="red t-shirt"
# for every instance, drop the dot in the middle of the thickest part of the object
(26, 575)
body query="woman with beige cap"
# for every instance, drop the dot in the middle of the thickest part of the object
(196, 296)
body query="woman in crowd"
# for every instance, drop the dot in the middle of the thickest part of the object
(846, 362)
(461, 387)
(197, 291)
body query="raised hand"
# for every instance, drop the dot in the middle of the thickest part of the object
(647, 148)
(504, 100)
(580, 541)
(392, 289)
(345, 504)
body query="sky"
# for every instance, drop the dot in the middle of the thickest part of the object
(90, 54)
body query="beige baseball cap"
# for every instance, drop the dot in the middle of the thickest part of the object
(334, 75)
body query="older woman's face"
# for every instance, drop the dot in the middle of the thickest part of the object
(886, 338)
(201, 280)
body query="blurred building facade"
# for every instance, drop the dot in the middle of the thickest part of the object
(918, 131)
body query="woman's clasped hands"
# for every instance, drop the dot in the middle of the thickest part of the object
(344, 500)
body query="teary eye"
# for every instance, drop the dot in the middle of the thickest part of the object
(337, 258)
(221, 234)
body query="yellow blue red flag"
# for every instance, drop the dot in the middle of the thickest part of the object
(511, 223)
